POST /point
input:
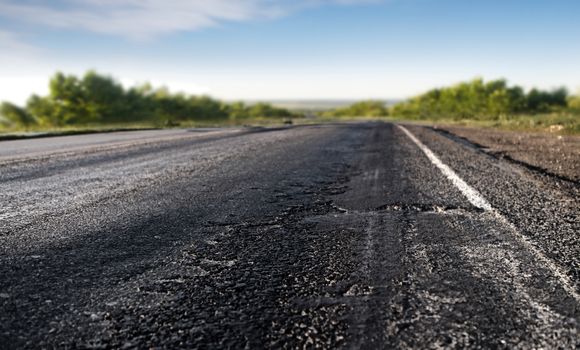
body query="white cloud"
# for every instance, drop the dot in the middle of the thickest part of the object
(11, 42)
(142, 19)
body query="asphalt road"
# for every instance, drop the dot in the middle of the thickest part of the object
(362, 235)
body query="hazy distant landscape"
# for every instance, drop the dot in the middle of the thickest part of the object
(320, 105)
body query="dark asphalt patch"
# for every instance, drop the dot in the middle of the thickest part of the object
(336, 236)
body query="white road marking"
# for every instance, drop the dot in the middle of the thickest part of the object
(472, 195)
(479, 201)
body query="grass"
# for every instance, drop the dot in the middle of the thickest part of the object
(24, 133)
(556, 123)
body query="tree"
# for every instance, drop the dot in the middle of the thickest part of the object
(43, 109)
(97, 98)
(16, 116)
(544, 101)
(574, 102)
(236, 110)
(68, 100)
(265, 110)
(103, 98)
(368, 108)
(479, 100)
(499, 103)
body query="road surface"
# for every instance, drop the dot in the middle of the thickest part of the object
(355, 235)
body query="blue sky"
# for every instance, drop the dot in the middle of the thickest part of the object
(290, 49)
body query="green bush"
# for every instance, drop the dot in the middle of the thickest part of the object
(368, 108)
(13, 115)
(574, 103)
(479, 100)
(98, 99)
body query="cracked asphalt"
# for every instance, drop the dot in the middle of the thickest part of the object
(321, 236)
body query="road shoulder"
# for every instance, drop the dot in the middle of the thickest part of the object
(554, 155)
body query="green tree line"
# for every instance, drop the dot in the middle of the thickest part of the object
(99, 99)
(474, 100)
(368, 108)
(479, 100)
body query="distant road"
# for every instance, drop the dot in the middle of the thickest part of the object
(49, 145)
(362, 235)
